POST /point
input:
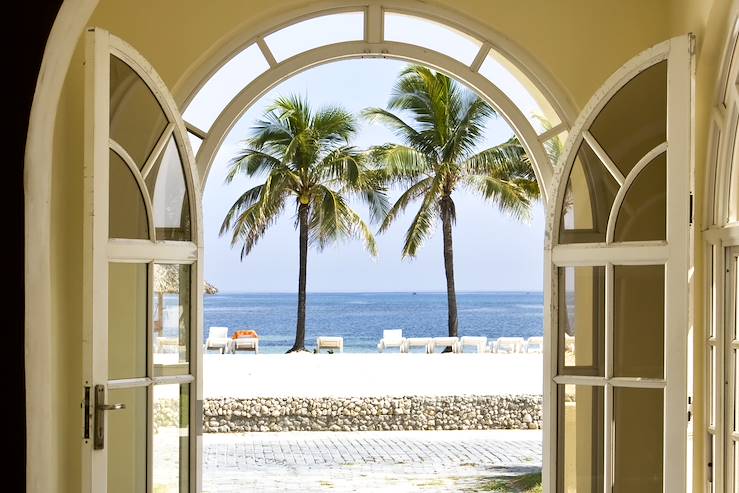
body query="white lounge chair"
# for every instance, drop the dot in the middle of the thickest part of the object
(391, 338)
(166, 345)
(330, 342)
(444, 342)
(218, 340)
(509, 345)
(535, 345)
(478, 342)
(412, 342)
(245, 344)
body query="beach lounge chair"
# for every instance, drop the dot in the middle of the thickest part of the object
(412, 342)
(245, 340)
(534, 345)
(330, 342)
(478, 342)
(218, 340)
(166, 345)
(391, 338)
(509, 345)
(444, 342)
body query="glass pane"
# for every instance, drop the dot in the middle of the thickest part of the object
(432, 35)
(171, 443)
(638, 320)
(195, 143)
(126, 208)
(643, 212)
(581, 320)
(136, 119)
(735, 354)
(126, 320)
(589, 196)
(638, 440)
(712, 385)
(555, 147)
(224, 85)
(171, 316)
(520, 90)
(312, 33)
(580, 439)
(126, 441)
(711, 291)
(634, 121)
(734, 183)
(170, 202)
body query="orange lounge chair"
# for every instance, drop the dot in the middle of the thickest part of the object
(245, 340)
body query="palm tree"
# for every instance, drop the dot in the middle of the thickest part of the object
(439, 156)
(310, 165)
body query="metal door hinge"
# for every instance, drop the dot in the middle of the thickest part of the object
(691, 43)
(690, 408)
(691, 210)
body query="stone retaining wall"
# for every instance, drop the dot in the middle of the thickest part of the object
(231, 415)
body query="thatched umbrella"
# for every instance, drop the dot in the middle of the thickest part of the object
(167, 281)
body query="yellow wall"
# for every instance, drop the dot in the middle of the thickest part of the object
(580, 42)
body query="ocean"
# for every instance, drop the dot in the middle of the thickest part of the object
(360, 318)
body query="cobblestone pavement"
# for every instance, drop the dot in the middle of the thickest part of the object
(387, 461)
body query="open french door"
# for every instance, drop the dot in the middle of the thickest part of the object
(142, 280)
(618, 257)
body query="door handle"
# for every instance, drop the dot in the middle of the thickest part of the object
(111, 407)
(100, 408)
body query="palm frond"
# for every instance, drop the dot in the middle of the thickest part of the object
(422, 226)
(400, 163)
(413, 192)
(251, 162)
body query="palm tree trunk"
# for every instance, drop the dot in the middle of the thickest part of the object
(447, 218)
(299, 344)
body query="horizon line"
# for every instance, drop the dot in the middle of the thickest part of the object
(384, 292)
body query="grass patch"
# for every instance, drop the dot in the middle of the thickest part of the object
(526, 483)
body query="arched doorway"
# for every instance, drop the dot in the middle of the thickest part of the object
(43, 141)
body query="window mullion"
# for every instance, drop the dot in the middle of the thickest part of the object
(608, 426)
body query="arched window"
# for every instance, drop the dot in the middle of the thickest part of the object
(374, 31)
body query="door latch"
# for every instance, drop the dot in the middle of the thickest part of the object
(100, 408)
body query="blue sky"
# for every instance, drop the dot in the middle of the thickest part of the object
(492, 251)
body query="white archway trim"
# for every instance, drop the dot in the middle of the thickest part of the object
(359, 49)
(502, 46)
(41, 437)
(720, 232)
(493, 48)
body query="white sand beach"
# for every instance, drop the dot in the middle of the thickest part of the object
(368, 374)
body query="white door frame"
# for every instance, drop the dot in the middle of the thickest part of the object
(100, 251)
(673, 253)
